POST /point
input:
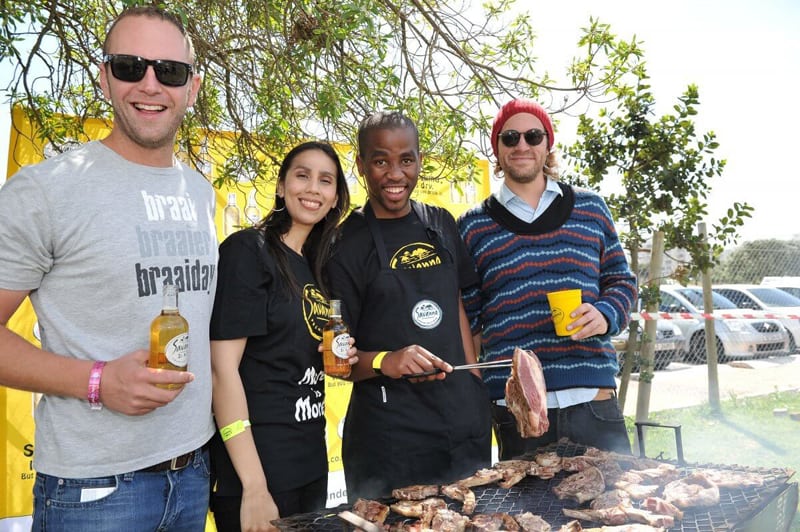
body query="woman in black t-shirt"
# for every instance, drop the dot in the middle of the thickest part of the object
(267, 322)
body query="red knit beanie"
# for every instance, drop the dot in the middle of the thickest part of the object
(521, 105)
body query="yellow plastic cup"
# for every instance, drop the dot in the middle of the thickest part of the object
(562, 303)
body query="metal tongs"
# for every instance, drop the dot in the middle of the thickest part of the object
(480, 365)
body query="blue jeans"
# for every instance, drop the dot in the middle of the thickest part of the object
(136, 501)
(596, 423)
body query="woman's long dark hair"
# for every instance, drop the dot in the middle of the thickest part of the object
(317, 247)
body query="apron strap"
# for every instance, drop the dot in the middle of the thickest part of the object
(377, 236)
(430, 231)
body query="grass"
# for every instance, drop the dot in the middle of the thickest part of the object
(745, 432)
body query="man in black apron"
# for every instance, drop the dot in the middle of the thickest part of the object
(398, 269)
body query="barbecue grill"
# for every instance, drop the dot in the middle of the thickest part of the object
(766, 508)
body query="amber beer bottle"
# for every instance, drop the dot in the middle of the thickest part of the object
(335, 343)
(169, 336)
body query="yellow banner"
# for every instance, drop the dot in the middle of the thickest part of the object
(239, 204)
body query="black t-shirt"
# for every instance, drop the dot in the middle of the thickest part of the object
(281, 369)
(351, 272)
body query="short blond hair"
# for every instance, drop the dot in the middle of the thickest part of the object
(156, 13)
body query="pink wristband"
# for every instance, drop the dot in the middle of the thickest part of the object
(93, 395)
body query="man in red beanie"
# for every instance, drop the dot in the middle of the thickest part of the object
(533, 236)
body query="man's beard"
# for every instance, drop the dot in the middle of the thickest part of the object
(521, 177)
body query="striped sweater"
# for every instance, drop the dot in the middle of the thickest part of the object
(573, 244)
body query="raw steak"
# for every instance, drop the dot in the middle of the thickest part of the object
(526, 394)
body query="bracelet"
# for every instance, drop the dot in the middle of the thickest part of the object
(93, 394)
(376, 362)
(237, 427)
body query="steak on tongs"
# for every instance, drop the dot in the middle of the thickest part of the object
(526, 394)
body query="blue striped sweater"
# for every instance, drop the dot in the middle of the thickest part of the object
(573, 244)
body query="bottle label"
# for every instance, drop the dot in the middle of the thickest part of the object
(177, 350)
(340, 345)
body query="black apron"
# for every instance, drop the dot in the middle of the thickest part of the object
(398, 433)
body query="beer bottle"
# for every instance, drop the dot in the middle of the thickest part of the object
(335, 343)
(169, 336)
(230, 215)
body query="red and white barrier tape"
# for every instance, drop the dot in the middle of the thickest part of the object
(689, 316)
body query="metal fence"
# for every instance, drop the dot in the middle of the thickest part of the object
(753, 301)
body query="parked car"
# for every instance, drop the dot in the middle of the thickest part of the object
(667, 347)
(736, 337)
(787, 283)
(767, 299)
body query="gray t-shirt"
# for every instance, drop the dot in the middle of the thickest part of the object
(93, 237)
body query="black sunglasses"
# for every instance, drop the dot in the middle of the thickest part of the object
(132, 68)
(533, 137)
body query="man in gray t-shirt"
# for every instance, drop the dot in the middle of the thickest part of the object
(91, 236)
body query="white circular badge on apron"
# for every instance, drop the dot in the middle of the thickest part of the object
(426, 314)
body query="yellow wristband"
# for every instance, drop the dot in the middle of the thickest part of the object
(237, 427)
(376, 362)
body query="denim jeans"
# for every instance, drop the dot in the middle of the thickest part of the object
(136, 501)
(596, 423)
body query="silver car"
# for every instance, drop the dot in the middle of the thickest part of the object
(769, 299)
(736, 337)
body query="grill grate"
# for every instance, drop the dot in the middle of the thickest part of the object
(535, 495)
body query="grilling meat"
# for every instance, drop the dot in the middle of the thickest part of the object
(616, 515)
(372, 511)
(734, 479)
(461, 493)
(526, 394)
(491, 522)
(581, 486)
(418, 508)
(449, 521)
(546, 465)
(695, 490)
(611, 498)
(580, 462)
(529, 522)
(660, 506)
(637, 491)
(416, 493)
(661, 475)
(513, 471)
(481, 478)
(620, 515)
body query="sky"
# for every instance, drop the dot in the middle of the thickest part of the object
(744, 56)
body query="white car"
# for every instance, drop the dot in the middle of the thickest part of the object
(786, 283)
(736, 337)
(768, 299)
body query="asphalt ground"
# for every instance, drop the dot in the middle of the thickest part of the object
(681, 385)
